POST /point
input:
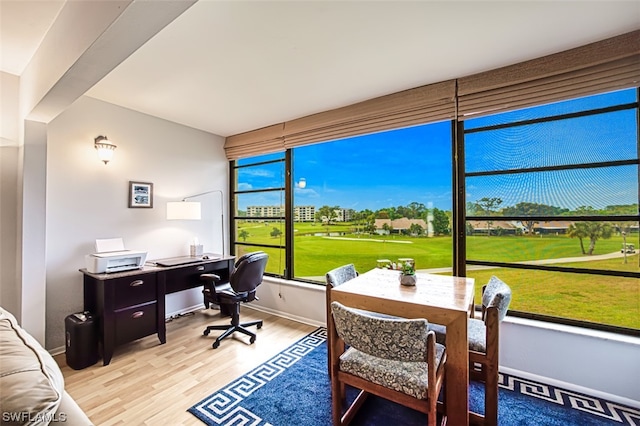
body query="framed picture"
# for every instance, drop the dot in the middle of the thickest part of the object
(140, 195)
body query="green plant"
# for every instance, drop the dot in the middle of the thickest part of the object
(408, 268)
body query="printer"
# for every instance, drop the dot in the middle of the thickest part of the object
(111, 256)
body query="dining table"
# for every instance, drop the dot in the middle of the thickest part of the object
(441, 299)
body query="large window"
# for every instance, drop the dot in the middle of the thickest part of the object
(365, 199)
(546, 199)
(552, 207)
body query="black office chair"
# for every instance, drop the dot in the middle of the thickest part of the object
(244, 280)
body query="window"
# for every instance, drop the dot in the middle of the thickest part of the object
(259, 208)
(369, 198)
(551, 201)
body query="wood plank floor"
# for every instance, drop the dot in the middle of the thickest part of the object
(150, 383)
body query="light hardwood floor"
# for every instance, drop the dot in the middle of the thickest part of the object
(150, 383)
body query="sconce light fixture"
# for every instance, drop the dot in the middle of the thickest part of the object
(105, 148)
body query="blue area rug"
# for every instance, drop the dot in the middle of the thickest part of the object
(293, 388)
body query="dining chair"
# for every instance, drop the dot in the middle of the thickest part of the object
(394, 358)
(334, 278)
(484, 345)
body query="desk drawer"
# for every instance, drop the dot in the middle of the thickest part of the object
(130, 291)
(189, 277)
(136, 322)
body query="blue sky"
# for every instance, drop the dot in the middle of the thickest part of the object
(379, 170)
(395, 168)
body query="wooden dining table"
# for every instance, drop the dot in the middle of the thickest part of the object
(440, 299)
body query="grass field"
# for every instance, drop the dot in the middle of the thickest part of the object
(600, 299)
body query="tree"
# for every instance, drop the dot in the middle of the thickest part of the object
(243, 234)
(326, 214)
(416, 229)
(275, 232)
(387, 227)
(488, 206)
(532, 209)
(440, 222)
(591, 230)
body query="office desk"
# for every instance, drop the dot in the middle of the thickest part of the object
(440, 299)
(131, 305)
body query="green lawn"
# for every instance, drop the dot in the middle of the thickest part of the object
(601, 299)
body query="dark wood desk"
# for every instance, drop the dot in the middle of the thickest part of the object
(438, 298)
(131, 305)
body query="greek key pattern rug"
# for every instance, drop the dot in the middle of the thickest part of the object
(234, 405)
(223, 407)
(577, 401)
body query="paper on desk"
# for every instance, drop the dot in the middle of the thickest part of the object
(109, 244)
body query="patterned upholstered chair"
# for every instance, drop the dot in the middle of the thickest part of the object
(394, 358)
(484, 340)
(335, 277)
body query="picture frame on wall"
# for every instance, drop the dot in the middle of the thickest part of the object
(140, 195)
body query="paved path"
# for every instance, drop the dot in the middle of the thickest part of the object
(613, 255)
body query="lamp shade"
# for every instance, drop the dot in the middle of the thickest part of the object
(186, 210)
(105, 148)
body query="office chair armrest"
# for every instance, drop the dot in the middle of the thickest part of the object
(210, 277)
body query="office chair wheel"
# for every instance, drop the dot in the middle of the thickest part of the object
(206, 332)
(252, 339)
(215, 344)
(259, 326)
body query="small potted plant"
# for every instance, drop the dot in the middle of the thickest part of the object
(408, 273)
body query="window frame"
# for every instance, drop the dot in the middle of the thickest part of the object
(462, 216)
(233, 205)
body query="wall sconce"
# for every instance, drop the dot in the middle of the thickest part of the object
(105, 148)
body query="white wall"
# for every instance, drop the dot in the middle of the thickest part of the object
(9, 297)
(87, 199)
(10, 155)
(597, 363)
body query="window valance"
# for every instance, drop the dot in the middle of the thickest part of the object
(607, 65)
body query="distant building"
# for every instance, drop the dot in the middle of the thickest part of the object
(495, 227)
(265, 211)
(344, 215)
(304, 213)
(554, 227)
(399, 225)
(300, 213)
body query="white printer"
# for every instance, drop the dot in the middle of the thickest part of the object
(111, 256)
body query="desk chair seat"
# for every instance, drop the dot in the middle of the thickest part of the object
(245, 278)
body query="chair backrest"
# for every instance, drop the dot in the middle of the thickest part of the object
(496, 294)
(244, 256)
(248, 272)
(340, 275)
(397, 339)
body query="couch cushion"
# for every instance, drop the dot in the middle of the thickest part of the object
(31, 381)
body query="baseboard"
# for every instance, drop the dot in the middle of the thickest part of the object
(285, 315)
(184, 311)
(56, 351)
(571, 387)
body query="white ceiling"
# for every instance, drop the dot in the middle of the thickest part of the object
(231, 66)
